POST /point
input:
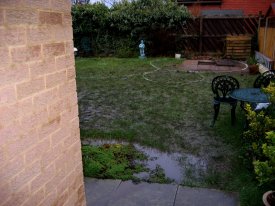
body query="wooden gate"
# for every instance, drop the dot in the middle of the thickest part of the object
(208, 34)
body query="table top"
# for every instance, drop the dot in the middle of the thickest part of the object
(252, 95)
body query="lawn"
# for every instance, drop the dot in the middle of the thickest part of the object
(156, 103)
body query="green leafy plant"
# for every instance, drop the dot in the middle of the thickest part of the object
(158, 176)
(271, 91)
(260, 141)
(254, 137)
(251, 60)
(265, 167)
(265, 170)
(113, 161)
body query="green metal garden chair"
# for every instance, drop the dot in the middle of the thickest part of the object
(221, 86)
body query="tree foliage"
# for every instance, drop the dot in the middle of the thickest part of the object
(80, 1)
(147, 15)
(126, 22)
(90, 18)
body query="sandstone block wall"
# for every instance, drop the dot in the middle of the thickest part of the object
(40, 156)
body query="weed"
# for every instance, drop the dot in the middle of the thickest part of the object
(113, 161)
(158, 176)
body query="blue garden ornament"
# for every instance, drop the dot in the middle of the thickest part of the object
(141, 50)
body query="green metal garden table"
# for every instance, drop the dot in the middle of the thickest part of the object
(250, 95)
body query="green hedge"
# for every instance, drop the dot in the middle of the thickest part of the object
(100, 30)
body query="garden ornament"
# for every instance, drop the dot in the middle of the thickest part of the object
(141, 49)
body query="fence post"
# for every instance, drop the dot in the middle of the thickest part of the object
(200, 35)
(265, 33)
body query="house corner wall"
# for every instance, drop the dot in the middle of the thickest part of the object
(40, 155)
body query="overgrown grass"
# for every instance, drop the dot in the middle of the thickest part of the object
(169, 109)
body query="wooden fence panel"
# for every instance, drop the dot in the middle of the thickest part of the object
(267, 39)
(208, 34)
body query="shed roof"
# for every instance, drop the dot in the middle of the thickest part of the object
(224, 12)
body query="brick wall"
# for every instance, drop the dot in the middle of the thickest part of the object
(40, 156)
(249, 7)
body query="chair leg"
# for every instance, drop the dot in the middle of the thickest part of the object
(242, 105)
(216, 112)
(233, 114)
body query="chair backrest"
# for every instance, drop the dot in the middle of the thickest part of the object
(264, 79)
(222, 85)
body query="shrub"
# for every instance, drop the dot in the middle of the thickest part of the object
(129, 21)
(265, 170)
(90, 21)
(142, 16)
(271, 91)
(254, 137)
(260, 141)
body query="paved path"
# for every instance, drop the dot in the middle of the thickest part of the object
(119, 193)
(193, 65)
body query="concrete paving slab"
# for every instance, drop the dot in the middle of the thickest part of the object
(98, 191)
(204, 197)
(143, 194)
(118, 193)
(190, 65)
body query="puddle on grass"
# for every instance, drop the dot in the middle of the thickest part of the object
(179, 167)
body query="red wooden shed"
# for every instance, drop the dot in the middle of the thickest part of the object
(247, 7)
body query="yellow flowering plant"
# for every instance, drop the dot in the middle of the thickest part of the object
(259, 140)
(265, 170)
